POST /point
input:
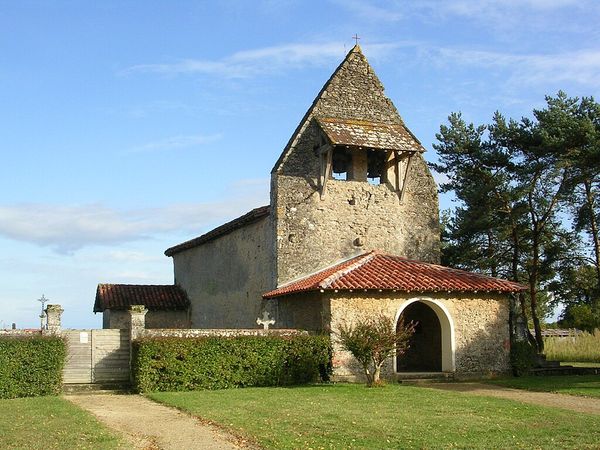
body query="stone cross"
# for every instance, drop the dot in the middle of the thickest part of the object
(265, 321)
(43, 300)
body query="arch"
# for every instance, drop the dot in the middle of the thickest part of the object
(446, 324)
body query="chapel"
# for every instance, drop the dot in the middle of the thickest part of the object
(351, 230)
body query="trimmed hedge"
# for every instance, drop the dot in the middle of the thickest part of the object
(184, 364)
(31, 366)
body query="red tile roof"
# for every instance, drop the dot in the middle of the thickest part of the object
(378, 271)
(155, 297)
(248, 218)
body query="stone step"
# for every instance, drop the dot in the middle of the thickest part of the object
(423, 377)
(97, 388)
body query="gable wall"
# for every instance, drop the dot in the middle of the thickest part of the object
(226, 277)
(118, 319)
(312, 233)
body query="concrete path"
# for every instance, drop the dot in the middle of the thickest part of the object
(149, 425)
(571, 402)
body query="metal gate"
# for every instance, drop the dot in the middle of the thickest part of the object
(97, 356)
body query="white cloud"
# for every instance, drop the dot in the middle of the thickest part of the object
(268, 60)
(67, 228)
(250, 63)
(582, 67)
(176, 142)
(499, 8)
(368, 10)
(130, 256)
(495, 14)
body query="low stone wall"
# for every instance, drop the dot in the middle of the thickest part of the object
(194, 333)
(19, 333)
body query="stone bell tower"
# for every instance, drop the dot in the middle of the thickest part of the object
(352, 178)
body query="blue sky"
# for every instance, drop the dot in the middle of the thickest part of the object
(128, 127)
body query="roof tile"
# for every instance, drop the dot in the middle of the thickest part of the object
(362, 133)
(155, 297)
(379, 271)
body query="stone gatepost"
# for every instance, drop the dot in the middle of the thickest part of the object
(137, 325)
(53, 315)
(137, 321)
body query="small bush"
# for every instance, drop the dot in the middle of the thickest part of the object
(31, 366)
(522, 357)
(374, 340)
(582, 347)
(182, 364)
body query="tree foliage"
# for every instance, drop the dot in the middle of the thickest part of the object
(374, 340)
(516, 182)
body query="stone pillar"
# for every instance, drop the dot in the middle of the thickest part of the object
(53, 315)
(137, 321)
(137, 325)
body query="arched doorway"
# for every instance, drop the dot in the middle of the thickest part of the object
(432, 345)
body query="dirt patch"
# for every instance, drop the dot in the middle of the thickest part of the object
(573, 403)
(149, 425)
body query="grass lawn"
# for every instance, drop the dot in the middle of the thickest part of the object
(396, 416)
(584, 385)
(51, 423)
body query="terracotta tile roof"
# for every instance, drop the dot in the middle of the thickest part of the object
(361, 133)
(155, 297)
(379, 271)
(248, 218)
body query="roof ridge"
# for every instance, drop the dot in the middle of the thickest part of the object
(223, 229)
(361, 260)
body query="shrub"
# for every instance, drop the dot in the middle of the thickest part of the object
(181, 364)
(372, 341)
(31, 366)
(522, 357)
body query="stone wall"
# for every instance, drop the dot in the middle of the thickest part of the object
(353, 216)
(19, 333)
(308, 311)
(154, 319)
(226, 277)
(195, 333)
(480, 324)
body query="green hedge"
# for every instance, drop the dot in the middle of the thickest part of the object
(182, 364)
(31, 366)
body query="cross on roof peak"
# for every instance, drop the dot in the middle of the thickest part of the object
(356, 38)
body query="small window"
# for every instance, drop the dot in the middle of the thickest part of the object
(341, 162)
(375, 166)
